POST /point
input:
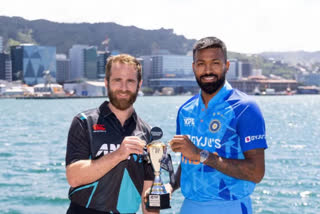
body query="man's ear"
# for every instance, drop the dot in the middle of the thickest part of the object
(227, 66)
(105, 82)
(193, 69)
(140, 83)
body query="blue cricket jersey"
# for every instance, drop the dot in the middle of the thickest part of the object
(231, 125)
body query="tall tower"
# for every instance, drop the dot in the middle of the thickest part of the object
(1, 44)
(76, 57)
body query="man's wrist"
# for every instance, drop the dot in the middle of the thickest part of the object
(204, 155)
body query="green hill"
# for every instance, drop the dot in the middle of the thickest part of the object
(133, 40)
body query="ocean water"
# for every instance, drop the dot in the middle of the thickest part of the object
(33, 137)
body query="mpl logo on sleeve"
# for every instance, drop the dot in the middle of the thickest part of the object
(188, 121)
(249, 139)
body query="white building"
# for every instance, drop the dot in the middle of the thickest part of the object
(88, 88)
(49, 89)
(2, 88)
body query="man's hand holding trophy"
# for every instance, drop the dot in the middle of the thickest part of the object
(158, 196)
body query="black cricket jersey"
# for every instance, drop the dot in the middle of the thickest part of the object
(97, 132)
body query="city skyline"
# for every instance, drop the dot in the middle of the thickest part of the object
(246, 26)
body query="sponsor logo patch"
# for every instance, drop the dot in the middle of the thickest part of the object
(214, 126)
(188, 121)
(249, 139)
(98, 128)
(107, 148)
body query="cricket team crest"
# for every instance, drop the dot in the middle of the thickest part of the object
(215, 125)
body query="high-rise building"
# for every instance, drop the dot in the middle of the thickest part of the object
(101, 63)
(1, 44)
(245, 69)
(2, 66)
(90, 65)
(31, 63)
(8, 68)
(233, 71)
(174, 71)
(63, 68)
(16, 53)
(146, 63)
(77, 62)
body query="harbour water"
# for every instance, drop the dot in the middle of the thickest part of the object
(33, 137)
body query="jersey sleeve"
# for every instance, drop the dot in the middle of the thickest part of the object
(78, 142)
(178, 132)
(251, 128)
(148, 171)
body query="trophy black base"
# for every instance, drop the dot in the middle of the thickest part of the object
(158, 201)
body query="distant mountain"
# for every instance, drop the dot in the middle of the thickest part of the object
(133, 40)
(297, 57)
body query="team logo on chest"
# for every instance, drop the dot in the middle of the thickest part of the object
(215, 125)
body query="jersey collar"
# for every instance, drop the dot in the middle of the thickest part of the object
(106, 111)
(220, 96)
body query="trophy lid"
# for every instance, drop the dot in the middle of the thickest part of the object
(156, 133)
(156, 144)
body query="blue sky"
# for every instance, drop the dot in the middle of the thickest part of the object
(246, 26)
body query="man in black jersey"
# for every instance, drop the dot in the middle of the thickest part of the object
(104, 163)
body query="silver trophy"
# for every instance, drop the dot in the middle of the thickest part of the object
(158, 197)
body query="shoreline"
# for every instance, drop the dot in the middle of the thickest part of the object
(93, 97)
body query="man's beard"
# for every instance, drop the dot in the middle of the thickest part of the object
(211, 87)
(122, 103)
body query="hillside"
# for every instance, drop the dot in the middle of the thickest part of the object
(295, 57)
(130, 39)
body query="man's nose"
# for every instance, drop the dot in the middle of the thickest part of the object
(123, 86)
(208, 69)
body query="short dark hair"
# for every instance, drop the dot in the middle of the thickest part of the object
(123, 59)
(210, 42)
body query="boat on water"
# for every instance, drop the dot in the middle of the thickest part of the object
(308, 90)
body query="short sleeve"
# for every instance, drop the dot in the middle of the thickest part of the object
(148, 171)
(78, 142)
(251, 127)
(178, 132)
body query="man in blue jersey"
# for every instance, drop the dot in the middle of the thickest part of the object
(104, 165)
(221, 137)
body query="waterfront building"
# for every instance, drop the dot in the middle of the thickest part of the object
(63, 68)
(244, 69)
(90, 65)
(86, 88)
(175, 71)
(8, 68)
(84, 63)
(101, 63)
(261, 83)
(30, 63)
(1, 44)
(2, 66)
(77, 62)
(233, 72)
(48, 90)
(146, 63)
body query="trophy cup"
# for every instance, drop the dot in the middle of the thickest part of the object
(158, 197)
